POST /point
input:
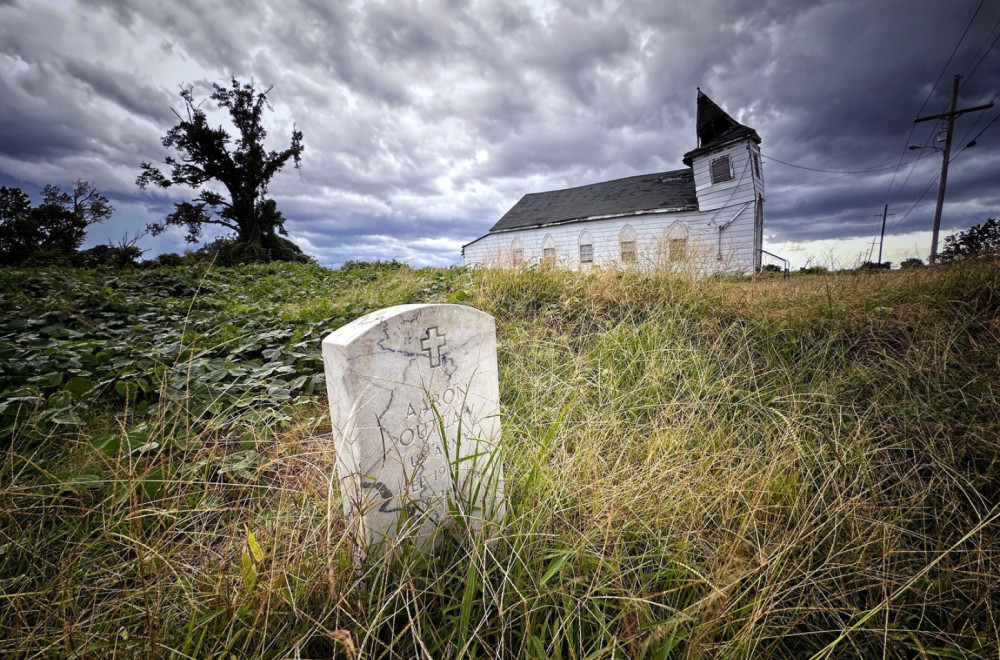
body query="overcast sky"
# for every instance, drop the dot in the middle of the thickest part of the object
(425, 121)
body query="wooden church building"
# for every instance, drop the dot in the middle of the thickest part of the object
(708, 216)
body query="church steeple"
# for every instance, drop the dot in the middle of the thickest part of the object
(712, 120)
(715, 128)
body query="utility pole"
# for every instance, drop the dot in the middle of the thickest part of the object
(949, 119)
(885, 213)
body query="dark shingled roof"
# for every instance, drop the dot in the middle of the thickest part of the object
(635, 194)
(716, 128)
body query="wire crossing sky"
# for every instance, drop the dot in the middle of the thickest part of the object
(425, 121)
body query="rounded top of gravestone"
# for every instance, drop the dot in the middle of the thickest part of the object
(355, 329)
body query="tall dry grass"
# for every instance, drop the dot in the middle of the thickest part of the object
(802, 467)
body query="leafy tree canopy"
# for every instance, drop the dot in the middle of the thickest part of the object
(976, 241)
(47, 234)
(84, 201)
(14, 204)
(243, 167)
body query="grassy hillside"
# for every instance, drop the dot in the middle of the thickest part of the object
(802, 467)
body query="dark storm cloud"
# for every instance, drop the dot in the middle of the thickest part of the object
(33, 126)
(213, 32)
(120, 88)
(424, 121)
(67, 114)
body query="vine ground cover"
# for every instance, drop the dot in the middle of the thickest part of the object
(766, 468)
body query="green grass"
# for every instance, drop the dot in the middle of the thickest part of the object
(789, 468)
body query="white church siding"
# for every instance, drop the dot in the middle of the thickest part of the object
(650, 235)
(735, 191)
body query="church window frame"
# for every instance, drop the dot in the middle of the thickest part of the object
(721, 169)
(626, 245)
(549, 251)
(516, 252)
(586, 248)
(677, 243)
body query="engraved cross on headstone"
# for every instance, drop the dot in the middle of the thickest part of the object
(433, 343)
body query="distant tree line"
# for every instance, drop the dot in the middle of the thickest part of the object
(51, 233)
(976, 242)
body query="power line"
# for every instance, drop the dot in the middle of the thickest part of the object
(929, 95)
(848, 173)
(979, 135)
(902, 186)
(902, 154)
(968, 143)
(950, 58)
(813, 184)
(949, 118)
(914, 162)
(881, 168)
(968, 73)
(983, 58)
(934, 179)
(926, 188)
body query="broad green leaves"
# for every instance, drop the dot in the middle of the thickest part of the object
(215, 350)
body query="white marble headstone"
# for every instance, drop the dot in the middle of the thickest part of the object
(395, 379)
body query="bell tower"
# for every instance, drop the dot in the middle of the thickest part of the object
(727, 171)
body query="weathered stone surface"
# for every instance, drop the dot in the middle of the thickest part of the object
(395, 379)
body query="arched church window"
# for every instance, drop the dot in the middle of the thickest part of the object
(677, 239)
(549, 250)
(586, 248)
(626, 245)
(516, 252)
